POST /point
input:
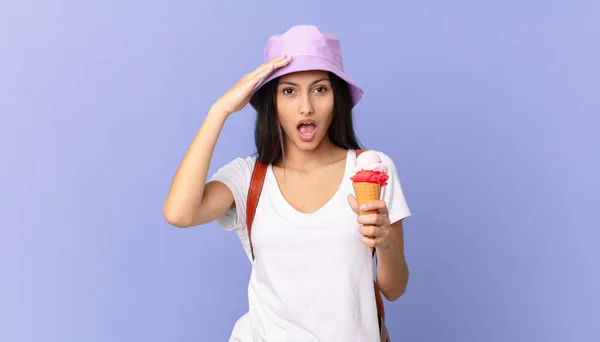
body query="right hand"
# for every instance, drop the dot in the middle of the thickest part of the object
(236, 98)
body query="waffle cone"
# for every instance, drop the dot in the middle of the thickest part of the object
(366, 192)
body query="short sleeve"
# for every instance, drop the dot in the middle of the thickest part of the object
(236, 176)
(392, 193)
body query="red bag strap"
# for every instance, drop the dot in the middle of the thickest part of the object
(256, 185)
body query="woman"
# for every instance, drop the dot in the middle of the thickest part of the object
(312, 276)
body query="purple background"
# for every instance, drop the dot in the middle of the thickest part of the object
(490, 110)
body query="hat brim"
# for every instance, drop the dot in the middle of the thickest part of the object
(309, 63)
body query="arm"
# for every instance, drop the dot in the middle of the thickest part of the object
(392, 270)
(190, 201)
(388, 241)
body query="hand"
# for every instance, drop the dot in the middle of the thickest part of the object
(236, 98)
(375, 227)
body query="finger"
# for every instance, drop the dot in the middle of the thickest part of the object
(270, 67)
(372, 219)
(371, 242)
(353, 203)
(378, 220)
(260, 73)
(281, 60)
(261, 70)
(374, 242)
(282, 57)
(370, 231)
(378, 205)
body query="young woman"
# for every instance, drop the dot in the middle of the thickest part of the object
(312, 270)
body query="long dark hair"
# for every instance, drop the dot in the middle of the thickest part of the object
(268, 135)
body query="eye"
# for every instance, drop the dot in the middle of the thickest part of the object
(321, 89)
(288, 91)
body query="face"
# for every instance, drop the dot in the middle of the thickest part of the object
(305, 108)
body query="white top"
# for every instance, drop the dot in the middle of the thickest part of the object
(312, 277)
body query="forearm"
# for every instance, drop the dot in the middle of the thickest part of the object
(187, 188)
(392, 271)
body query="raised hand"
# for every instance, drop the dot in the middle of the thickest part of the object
(236, 98)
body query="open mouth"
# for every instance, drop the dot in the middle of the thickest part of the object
(307, 130)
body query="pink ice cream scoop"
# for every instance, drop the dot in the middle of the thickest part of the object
(370, 169)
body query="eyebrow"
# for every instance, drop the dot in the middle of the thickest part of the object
(316, 81)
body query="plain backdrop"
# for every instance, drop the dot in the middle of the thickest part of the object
(489, 109)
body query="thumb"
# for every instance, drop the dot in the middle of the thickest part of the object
(353, 203)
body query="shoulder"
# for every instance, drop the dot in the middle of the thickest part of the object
(247, 162)
(236, 173)
(244, 165)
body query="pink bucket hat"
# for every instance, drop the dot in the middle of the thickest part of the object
(310, 49)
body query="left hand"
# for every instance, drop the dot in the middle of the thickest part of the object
(376, 228)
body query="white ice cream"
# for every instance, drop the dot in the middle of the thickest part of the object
(369, 161)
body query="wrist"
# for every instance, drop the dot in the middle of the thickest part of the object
(389, 248)
(217, 111)
(390, 245)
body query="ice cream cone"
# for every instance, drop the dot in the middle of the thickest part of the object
(366, 192)
(370, 175)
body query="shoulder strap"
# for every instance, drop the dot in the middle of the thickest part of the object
(256, 185)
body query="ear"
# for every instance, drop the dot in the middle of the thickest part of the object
(353, 203)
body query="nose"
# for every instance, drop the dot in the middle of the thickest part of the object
(306, 105)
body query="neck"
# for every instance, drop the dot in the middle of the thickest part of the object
(299, 159)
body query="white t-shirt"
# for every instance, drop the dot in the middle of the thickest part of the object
(312, 277)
